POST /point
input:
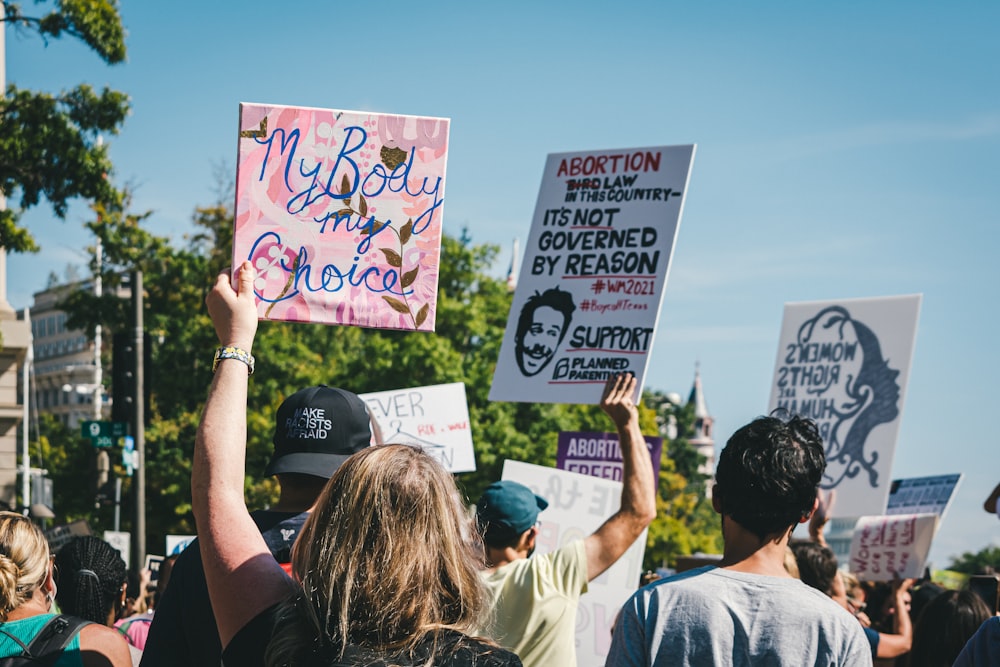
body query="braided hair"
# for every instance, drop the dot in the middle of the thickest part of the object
(89, 576)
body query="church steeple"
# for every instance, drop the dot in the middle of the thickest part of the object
(703, 440)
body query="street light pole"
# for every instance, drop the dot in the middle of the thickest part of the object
(29, 358)
(98, 397)
(139, 543)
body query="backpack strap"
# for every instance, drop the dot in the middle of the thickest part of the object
(54, 636)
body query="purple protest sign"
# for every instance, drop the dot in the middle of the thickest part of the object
(600, 454)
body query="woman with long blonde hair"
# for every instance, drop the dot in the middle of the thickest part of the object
(387, 559)
(27, 590)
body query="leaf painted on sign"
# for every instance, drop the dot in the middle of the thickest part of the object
(397, 305)
(422, 314)
(406, 231)
(363, 207)
(345, 185)
(408, 277)
(392, 257)
(392, 157)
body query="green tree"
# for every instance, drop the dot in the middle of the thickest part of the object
(985, 560)
(471, 317)
(685, 521)
(61, 452)
(50, 144)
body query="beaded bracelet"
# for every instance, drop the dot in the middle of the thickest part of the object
(231, 352)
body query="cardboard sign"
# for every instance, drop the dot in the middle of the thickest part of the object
(922, 495)
(434, 418)
(340, 213)
(595, 267)
(578, 505)
(600, 454)
(884, 546)
(845, 364)
(58, 536)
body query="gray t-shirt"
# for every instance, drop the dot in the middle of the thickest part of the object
(712, 616)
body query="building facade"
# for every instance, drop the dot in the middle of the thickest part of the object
(15, 339)
(67, 374)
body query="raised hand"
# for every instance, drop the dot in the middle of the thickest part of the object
(618, 399)
(234, 312)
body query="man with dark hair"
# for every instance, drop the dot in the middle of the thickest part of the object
(316, 429)
(541, 327)
(535, 597)
(747, 610)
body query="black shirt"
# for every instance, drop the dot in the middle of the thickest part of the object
(451, 649)
(183, 631)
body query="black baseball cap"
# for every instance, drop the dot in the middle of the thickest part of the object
(316, 429)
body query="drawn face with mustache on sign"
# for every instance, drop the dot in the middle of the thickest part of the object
(866, 396)
(541, 327)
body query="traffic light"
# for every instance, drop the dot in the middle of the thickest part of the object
(123, 389)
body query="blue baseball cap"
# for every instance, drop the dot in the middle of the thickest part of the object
(510, 506)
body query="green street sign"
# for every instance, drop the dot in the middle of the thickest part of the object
(103, 429)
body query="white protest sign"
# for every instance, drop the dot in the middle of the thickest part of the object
(595, 268)
(578, 505)
(845, 364)
(434, 418)
(122, 541)
(887, 546)
(922, 495)
(178, 543)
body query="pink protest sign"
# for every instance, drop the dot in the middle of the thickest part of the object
(340, 213)
(884, 546)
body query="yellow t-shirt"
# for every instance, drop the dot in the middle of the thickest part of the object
(534, 605)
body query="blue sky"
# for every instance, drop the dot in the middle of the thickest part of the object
(847, 150)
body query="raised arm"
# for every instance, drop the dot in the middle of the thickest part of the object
(638, 503)
(243, 578)
(894, 645)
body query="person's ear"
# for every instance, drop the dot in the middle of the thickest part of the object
(528, 539)
(809, 514)
(49, 584)
(122, 600)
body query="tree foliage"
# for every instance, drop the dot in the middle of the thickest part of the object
(685, 522)
(471, 316)
(983, 561)
(50, 145)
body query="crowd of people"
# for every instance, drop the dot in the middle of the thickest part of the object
(372, 557)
